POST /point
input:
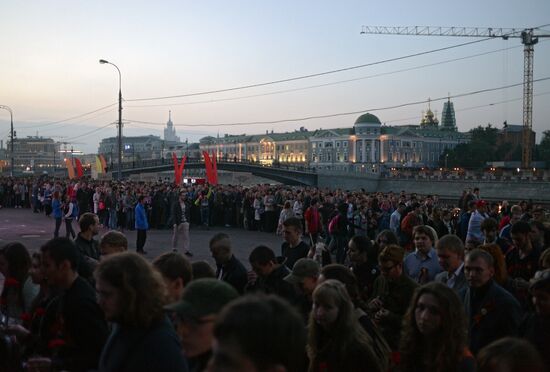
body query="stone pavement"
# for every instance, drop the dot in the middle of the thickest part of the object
(34, 229)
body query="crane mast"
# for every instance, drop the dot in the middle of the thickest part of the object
(528, 39)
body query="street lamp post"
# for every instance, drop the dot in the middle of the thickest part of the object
(446, 157)
(11, 136)
(119, 165)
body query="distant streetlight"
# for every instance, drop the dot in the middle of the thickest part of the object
(119, 150)
(11, 136)
(446, 157)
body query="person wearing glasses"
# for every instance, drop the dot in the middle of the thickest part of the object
(392, 293)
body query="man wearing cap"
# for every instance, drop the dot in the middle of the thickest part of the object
(304, 278)
(270, 274)
(195, 315)
(474, 225)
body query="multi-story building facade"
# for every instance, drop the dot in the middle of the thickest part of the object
(133, 148)
(268, 149)
(34, 152)
(367, 146)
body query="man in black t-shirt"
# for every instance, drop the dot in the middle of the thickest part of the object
(293, 248)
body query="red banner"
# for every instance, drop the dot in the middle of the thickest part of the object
(79, 170)
(211, 168)
(178, 168)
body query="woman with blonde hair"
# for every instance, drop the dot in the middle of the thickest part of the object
(336, 341)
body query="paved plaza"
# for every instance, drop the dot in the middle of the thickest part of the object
(34, 229)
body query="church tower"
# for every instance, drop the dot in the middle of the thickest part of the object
(429, 119)
(448, 120)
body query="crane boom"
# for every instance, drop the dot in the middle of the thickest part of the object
(528, 39)
(442, 31)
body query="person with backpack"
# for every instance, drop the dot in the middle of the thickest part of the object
(70, 212)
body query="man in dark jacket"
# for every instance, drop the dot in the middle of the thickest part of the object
(87, 245)
(391, 295)
(229, 268)
(270, 274)
(81, 322)
(293, 247)
(450, 252)
(492, 312)
(83, 198)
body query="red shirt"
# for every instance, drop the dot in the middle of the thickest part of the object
(313, 220)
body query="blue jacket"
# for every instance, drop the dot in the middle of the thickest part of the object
(141, 218)
(56, 209)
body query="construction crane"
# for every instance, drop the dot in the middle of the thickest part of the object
(528, 39)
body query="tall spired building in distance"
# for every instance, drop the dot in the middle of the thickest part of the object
(170, 131)
(448, 120)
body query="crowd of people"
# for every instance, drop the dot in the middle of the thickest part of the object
(361, 282)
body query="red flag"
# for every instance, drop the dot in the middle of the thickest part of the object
(178, 168)
(208, 166)
(79, 170)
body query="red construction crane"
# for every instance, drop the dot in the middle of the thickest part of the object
(528, 39)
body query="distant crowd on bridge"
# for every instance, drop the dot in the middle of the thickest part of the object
(362, 281)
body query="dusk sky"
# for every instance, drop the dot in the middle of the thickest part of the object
(49, 69)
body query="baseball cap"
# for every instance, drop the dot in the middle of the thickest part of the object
(481, 203)
(303, 268)
(203, 297)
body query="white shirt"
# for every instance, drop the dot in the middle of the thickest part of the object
(452, 277)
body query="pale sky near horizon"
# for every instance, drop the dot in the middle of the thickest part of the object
(49, 69)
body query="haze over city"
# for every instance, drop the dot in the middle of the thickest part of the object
(50, 70)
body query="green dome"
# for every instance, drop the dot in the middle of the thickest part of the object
(367, 119)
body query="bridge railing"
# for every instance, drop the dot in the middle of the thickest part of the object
(151, 163)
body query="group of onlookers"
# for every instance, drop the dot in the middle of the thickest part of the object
(362, 281)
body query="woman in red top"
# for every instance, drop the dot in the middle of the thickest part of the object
(434, 332)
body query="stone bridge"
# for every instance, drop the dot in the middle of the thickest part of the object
(289, 175)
